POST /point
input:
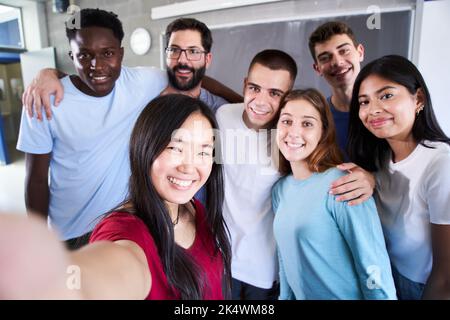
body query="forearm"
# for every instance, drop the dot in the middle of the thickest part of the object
(437, 286)
(221, 90)
(104, 272)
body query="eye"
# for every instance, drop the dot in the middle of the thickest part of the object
(275, 94)
(363, 103)
(204, 154)
(253, 88)
(345, 51)
(386, 96)
(82, 56)
(324, 58)
(286, 122)
(175, 149)
(109, 53)
(307, 124)
(194, 51)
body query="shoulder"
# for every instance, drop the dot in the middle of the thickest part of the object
(332, 174)
(120, 226)
(144, 73)
(230, 110)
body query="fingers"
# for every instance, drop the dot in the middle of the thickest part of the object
(37, 105)
(347, 166)
(47, 106)
(359, 200)
(27, 102)
(58, 95)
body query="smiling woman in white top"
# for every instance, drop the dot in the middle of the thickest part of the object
(393, 131)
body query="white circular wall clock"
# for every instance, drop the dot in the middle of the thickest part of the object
(140, 41)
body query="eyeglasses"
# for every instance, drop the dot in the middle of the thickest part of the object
(192, 54)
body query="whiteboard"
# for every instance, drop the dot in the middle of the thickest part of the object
(235, 46)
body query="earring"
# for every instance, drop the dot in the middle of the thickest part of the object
(419, 109)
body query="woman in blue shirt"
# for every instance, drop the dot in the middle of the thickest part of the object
(327, 249)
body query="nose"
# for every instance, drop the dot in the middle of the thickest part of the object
(96, 63)
(261, 97)
(337, 60)
(294, 131)
(375, 107)
(183, 57)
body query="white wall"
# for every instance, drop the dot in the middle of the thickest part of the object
(434, 57)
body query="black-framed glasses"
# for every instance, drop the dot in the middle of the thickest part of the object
(192, 54)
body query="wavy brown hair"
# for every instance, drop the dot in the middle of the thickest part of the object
(327, 153)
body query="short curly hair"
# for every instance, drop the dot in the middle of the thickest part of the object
(97, 18)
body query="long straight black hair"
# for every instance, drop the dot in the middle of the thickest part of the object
(364, 148)
(151, 135)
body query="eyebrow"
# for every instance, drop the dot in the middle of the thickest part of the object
(205, 145)
(188, 47)
(378, 91)
(271, 89)
(304, 117)
(338, 47)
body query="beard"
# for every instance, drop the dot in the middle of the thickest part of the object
(197, 76)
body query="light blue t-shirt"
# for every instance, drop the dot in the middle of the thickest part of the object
(328, 249)
(89, 140)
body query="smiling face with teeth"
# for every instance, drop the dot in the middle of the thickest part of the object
(263, 90)
(184, 74)
(338, 60)
(186, 163)
(299, 130)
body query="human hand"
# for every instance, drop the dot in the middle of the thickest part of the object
(37, 94)
(355, 187)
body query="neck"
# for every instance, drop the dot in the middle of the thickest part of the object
(401, 149)
(173, 210)
(194, 92)
(341, 98)
(300, 170)
(83, 87)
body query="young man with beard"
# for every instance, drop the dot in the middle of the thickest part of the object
(188, 55)
(250, 173)
(337, 57)
(85, 146)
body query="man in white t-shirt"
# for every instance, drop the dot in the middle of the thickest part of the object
(249, 174)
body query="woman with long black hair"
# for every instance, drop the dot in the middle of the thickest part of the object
(160, 243)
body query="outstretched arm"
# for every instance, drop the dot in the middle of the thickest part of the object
(39, 91)
(102, 270)
(356, 187)
(221, 90)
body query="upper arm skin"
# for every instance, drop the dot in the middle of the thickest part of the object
(36, 182)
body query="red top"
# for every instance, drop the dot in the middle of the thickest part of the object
(126, 226)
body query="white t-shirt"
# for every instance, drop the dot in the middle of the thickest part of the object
(411, 194)
(249, 176)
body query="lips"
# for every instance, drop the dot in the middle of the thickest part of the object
(180, 183)
(379, 122)
(340, 73)
(294, 145)
(183, 70)
(258, 111)
(99, 78)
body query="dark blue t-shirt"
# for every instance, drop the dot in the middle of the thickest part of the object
(341, 120)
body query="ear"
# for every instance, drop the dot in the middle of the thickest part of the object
(121, 52)
(420, 99)
(360, 49)
(245, 85)
(208, 59)
(316, 69)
